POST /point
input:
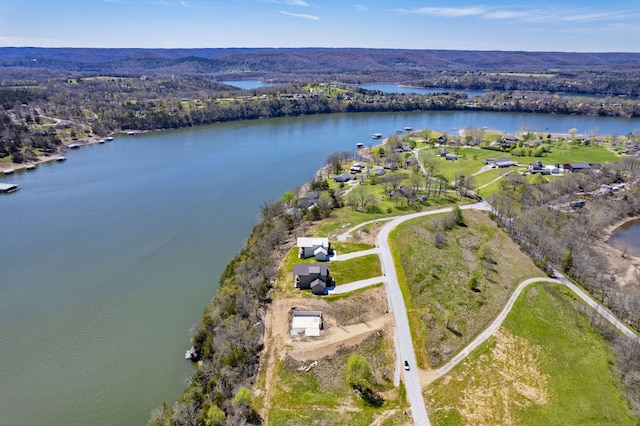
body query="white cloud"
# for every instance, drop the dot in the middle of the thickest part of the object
(181, 3)
(452, 12)
(507, 14)
(361, 7)
(592, 16)
(301, 15)
(291, 2)
(529, 15)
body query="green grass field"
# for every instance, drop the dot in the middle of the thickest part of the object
(356, 269)
(442, 304)
(545, 366)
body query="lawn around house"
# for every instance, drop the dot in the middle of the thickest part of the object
(455, 291)
(545, 365)
(356, 269)
(359, 268)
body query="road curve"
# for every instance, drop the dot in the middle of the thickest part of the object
(403, 342)
(493, 327)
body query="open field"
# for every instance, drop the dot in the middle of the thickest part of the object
(546, 365)
(457, 289)
(321, 396)
(469, 161)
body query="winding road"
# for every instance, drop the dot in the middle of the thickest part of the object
(403, 342)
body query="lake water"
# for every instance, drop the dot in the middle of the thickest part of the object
(111, 256)
(394, 88)
(627, 237)
(246, 84)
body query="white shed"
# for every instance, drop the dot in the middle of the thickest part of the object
(307, 322)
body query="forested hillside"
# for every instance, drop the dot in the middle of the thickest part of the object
(583, 73)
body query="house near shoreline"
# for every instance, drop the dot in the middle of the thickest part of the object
(345, 177)
(309, 200)
(307, 322)
(508, 141)
(313, 247)
(311, 276)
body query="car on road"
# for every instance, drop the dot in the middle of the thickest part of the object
(406, 365)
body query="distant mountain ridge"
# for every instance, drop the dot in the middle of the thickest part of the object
(251, 61)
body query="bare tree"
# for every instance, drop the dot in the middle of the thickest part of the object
(476, 133)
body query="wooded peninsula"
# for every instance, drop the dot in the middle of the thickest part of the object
(540, 224)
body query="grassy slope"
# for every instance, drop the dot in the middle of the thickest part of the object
(562, 374)
(322, 397)
(449, 313)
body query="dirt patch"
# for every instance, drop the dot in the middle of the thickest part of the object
(347, 322)
(508, 378)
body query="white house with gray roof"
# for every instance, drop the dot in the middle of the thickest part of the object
(313, 247)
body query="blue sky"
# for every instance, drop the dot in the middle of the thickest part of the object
(579, 26)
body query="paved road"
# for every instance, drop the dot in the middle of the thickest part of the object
(402, 336)
(355, 285)
(495, 325)
(404, 343)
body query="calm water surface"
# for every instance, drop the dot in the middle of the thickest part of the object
(627, 237)
(394, 88)
(246, 84)
(110, 257)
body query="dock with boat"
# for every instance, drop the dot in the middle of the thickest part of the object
(8, 188)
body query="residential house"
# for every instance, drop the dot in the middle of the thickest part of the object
(536, 167)
(308, 200)
(356, 168)
(508, 141)
(346, 177)
(311, 276)
(379, 171)
(313, 247)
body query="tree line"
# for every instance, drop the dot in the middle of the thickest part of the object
(76, 107)
(539, 218)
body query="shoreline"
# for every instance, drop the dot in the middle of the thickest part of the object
(608, 231)
(20, 167)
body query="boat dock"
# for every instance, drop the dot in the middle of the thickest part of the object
(7, 188)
